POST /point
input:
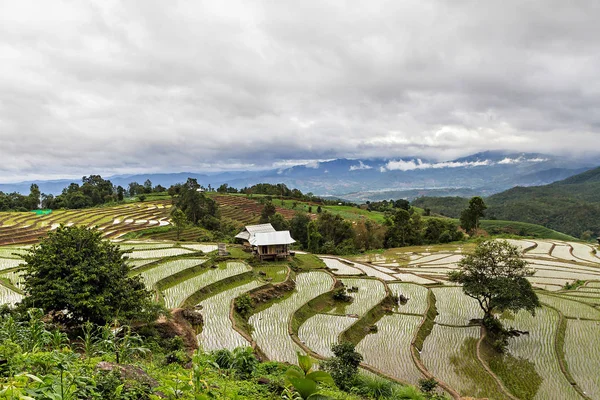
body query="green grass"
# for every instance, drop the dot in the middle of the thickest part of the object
(523, 229)
(308, 261)
(272, 273)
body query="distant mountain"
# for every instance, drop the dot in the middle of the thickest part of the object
(374, 179)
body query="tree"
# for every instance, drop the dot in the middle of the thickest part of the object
(495, 275)
(79, 277)
(469, 217)
(267, 212)
(179, 220)
(343, 367)
(299, 228)
(279, 222)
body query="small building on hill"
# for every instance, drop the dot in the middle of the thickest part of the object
(272, 245)
(250, 230)
(266, 243)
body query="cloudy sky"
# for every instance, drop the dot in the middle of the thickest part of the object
(130, 86)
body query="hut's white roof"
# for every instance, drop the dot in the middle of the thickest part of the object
(271, 238)
(250, 230)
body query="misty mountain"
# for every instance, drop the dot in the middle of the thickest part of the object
(374, 179)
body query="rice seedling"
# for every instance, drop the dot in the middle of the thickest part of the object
(389, 350)
(168, 268)
(416, 294)
(430, 258)
(409, 277)
(175, 295)
(582, 355)
(321, 331)
(563, 251)
(584, 252)
(271, 325)
(340, 268)
(570, 308)
(217, 331)
(141, 262)
(542, 249)
(205, 248)
(522, 245)
(530, 369)
(453, 259)
(454, 307)
(9, 296)
(12, 252)
(450, 355)
(160, 253)
(14, 277)
(370, 271)
(6, 263)
(370, 292)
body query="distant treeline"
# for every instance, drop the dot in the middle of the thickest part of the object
(93, 191)
(281, 190)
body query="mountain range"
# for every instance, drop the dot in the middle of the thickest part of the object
(375, 179)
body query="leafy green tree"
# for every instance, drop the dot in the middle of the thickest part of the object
(179, 221)
(34, 196)
(299, 228)
(79, 277)
(279, 222)
(470, 216)
(495, 275)
(404, 228)
(198, 208)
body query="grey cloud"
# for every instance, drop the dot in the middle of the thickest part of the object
(153, 86)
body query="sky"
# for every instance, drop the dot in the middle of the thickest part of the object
(163, 86)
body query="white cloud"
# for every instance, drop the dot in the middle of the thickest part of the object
(410, 165)
(360, 166)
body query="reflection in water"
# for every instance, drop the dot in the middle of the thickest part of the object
(518, 374)
(475, 381)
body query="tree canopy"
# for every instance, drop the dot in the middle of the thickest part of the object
(74, 270)
(495, 275)
(470, 216)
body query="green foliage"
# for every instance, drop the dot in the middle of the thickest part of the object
(267, 212)
(404, 229)
(299, 228)
(198, 208)
(243, 304)
(78, 277)
(343, 367)
(179, 220)
(305, 380)
(470, 216)
(279, 222)
(495, 275)
(574, 285)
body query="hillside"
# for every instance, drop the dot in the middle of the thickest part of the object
(570, 206)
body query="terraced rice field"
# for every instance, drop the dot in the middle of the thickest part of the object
(340, 268)
(538, 347)
(321, 331)
(217, 331)
(8, 296)
(245, 210)
(529, 370)
(175, 295)
(416, 294)
(370, 292)
(450, 354)
(164, 270)
(582, 354)
(271, 325)
(27, 227)
(389, 349)
(454, 307)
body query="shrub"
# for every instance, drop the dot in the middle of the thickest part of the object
(343, 367)
(243, 304)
